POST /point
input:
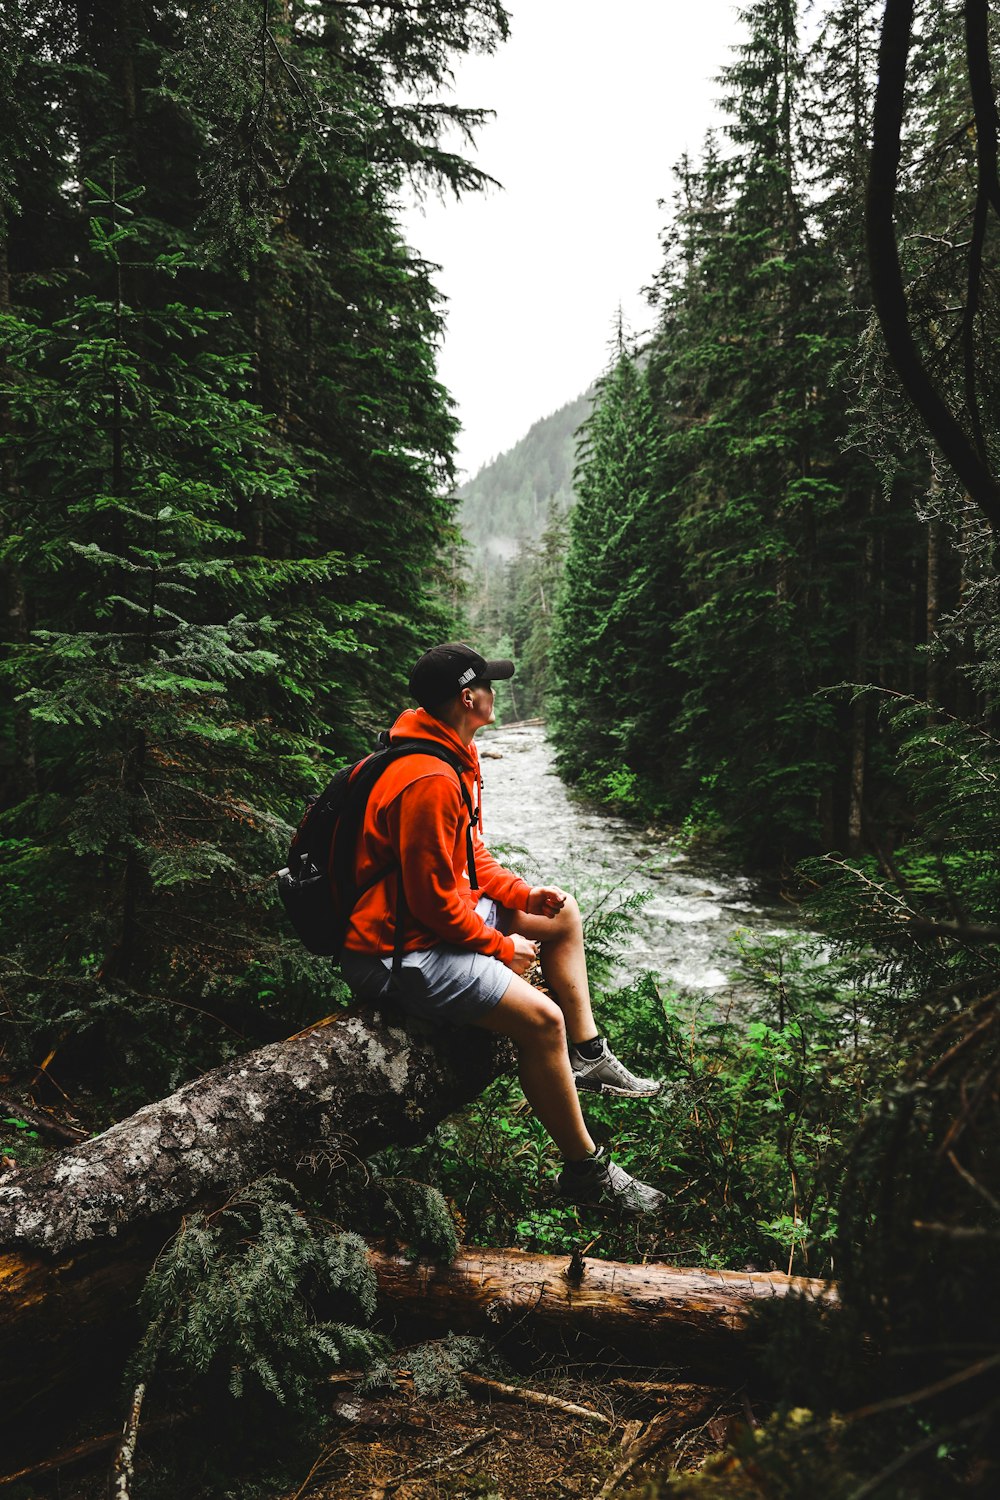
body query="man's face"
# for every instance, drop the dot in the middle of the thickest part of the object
(484, 702)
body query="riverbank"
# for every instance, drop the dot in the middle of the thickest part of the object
(689, 929)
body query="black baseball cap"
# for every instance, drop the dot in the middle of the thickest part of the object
(443, 671)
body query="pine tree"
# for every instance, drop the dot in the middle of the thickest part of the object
(157, 810)
(742, 372)
(513, 606)
(223, 423)
(886, 578)
(343, 318)
(601, 644)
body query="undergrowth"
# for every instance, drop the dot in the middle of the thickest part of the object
(747, 1137)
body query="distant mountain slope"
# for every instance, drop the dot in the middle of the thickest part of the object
(509, 499)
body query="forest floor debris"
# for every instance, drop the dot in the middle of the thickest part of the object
(498, 1448)
(494, 1444)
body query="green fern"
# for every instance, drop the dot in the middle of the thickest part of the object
(238, 1290)
(436, 1366)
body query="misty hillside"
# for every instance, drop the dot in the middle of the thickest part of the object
(509, 499)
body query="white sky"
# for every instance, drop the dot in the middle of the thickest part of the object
(595, 103)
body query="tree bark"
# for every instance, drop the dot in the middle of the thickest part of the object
(651, 1311)
(79, 1234)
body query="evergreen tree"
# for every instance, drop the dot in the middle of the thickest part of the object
(156, 803)
(226, 514)
(755, 494)
(601, 643)
(886, 577)
(513, 606)
(744, 369)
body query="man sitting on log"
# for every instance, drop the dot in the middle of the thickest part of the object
(465, 950)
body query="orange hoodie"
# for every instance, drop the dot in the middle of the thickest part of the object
(416, 815)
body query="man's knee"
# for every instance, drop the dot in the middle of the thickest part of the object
(569, 922)
(540, 1022)
(572, 912)
(550, 1023)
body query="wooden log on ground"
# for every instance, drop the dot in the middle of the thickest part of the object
(702, 1317)
(79, 1233)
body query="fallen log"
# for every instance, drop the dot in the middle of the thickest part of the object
(79, 1233)
(701, 1317)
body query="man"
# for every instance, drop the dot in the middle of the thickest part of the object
(466, 950)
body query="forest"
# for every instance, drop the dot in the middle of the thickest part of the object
(259, 1240)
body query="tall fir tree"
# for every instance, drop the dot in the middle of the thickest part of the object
(222, 422)
(601, 640)
(756, 495)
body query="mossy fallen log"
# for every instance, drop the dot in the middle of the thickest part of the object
(79, 1233)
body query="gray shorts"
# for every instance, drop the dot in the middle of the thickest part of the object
(445, 983)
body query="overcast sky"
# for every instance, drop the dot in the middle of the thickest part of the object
(595, 103)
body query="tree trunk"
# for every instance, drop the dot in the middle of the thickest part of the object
(78, 1234)
(653, 1312)
(859, 708)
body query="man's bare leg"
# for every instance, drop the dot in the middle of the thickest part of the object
(536, 1025)
(560, 942)
(564, 964)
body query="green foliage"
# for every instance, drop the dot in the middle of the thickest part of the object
(613, 590)
(791, 1456)
(418, 1215)
(609, 922)
(436, 1366)
(152, 780)
(760, 1103)
(238, 1291)
(732, 554)
(20, 1143)
(928, 906)
(226, 522)
(748, 1139)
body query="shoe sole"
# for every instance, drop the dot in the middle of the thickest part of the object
(617, 1210)
(609, 1088)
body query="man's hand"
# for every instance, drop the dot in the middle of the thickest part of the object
(546, 901)
(525, 953)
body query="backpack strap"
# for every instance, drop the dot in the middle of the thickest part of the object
(342, 863)
(441, 752)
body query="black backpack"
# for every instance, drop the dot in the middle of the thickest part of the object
(319, 887)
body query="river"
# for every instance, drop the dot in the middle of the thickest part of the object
(686, 933)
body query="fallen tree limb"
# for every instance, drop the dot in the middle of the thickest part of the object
(41, 1121)
(480, 1386)
(79, 1233)
(87, 1449)
(704, 1315)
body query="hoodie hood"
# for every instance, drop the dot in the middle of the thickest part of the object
(418, 724)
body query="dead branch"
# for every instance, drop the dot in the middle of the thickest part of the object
(481, 1386)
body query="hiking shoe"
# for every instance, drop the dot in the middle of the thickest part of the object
(601, 1183)
(606, 1075)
